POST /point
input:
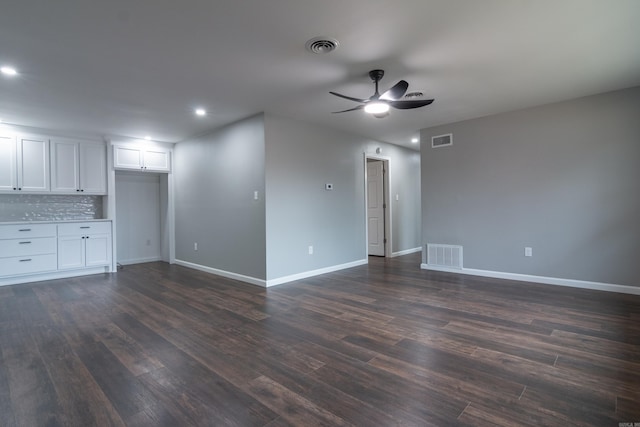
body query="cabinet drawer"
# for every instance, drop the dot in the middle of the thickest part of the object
(20, 231)
(21, 247)
(28, 264)
(74, 229)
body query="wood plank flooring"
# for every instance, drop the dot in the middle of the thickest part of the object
(386, 344)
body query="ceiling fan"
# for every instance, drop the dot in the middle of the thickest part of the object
(378, 105)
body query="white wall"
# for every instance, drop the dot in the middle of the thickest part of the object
(138, 213)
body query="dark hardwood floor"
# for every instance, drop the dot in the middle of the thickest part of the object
(386, 344)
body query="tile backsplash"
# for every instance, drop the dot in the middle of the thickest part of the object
(50, 207)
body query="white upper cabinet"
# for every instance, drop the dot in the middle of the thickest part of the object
(8, 163)
(33, 164)
(145, 159)
(78, 167)
(65, 177)
(157, 160)
(127, 158)
(24, 164)
(93, 168)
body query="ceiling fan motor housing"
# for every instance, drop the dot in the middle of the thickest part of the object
(376, 75)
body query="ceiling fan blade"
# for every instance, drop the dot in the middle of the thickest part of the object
(396, 92)
(407, 105)
(350, 98)
(359, 107)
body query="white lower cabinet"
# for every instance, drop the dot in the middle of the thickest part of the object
(30, 252)
(83, 245)
(27, 249)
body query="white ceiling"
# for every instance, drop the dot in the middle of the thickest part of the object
(139, 67)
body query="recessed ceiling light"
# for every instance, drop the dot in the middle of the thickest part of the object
(147, 137)
(9, 71)
(201, 112)
(414, 140)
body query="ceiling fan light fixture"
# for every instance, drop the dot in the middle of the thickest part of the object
(377, 108)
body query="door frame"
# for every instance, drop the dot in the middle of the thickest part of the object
(388, 234)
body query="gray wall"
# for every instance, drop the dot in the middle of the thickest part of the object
(562, 178)
(215, 179)
(138, 210)
(300, 159)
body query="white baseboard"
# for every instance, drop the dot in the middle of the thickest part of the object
(406, 252)
(62, 274)
(223, 273)
(583, 284)
(138, 260)
(311, 273)
(272, 282)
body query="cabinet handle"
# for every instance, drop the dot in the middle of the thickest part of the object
(85, 226)
(25, 229)
(82, 189)
(14, 188)
(77, 189)
(23, 243)
(25, 260)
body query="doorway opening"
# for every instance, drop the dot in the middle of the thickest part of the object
(377, 206)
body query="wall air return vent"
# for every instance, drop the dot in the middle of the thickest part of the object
(447, 256)
(442, 141)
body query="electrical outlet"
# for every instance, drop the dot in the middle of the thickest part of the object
(255, 195)
(195, 246)
(310, 250)
(528, 251)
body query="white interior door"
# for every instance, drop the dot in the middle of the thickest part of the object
(375, 207)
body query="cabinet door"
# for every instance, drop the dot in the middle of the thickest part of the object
(33, 164)
(64, 167)
(71, 252)
(158, 160)
(97, 250)
(127, 158)
(8, 173)
(93, 168)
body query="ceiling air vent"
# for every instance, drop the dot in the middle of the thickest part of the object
(322, 45)
(442, 141)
